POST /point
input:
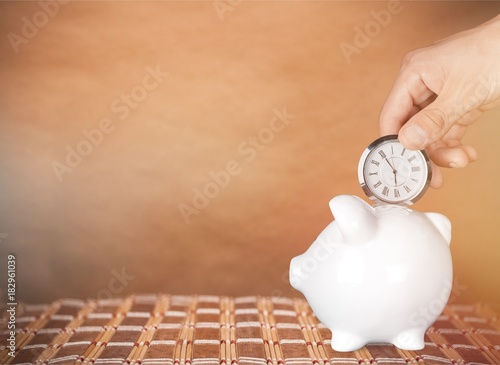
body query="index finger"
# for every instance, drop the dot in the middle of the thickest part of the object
(407, 93)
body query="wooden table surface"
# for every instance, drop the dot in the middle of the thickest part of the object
(213, 330)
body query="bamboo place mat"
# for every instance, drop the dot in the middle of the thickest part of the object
(206, 330)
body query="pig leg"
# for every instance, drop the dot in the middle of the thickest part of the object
(346, 341)
(412, 339)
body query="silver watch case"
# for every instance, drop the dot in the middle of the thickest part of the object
(366, 189)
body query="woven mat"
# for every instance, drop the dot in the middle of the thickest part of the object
(205, 330)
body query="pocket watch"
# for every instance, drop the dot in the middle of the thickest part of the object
(391, 174)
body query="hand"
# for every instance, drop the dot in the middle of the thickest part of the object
(441, 90)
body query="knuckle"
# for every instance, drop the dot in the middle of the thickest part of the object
(436, 120)
(411, 58)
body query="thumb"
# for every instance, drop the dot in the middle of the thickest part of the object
(428, 126)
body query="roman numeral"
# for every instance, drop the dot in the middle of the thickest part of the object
(407, 188)
(382, 154)
(415, 168)
(373, 173)
(375, 162)
(396, 193)
(385, 191)
(403, 151)
(416, 180)
(392, 150)
(411, 158)
(377, 184)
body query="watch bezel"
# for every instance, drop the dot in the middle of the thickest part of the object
(370, 194)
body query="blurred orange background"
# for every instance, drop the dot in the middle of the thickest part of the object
(114, 116)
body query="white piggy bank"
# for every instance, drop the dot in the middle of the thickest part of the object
(377, 274)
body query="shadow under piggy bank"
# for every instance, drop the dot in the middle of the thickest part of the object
(377, 274)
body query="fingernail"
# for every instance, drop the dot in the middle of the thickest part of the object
(415, 135)
(457, 164)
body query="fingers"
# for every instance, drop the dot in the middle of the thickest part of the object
(465, 84)
(454, 157)
(429, 125)
(437, 177)
(470, 117)
(408, 94)
(461, 156)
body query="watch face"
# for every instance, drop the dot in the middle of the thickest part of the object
(390, 173)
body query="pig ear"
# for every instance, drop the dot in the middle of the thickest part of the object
(443, 225)
(354, 217)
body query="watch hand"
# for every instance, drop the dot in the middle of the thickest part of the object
(394, 171)
(392, 167)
